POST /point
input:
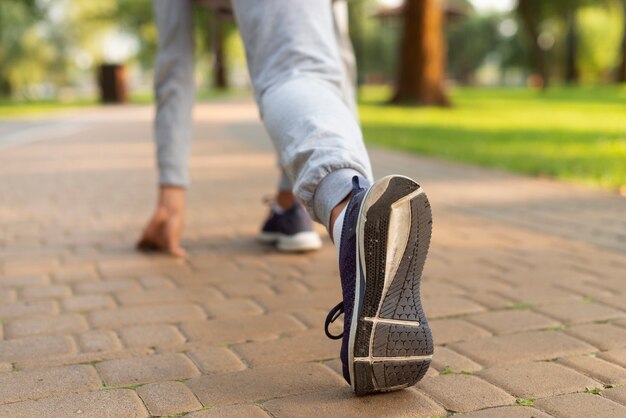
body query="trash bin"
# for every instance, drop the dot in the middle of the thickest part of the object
(113, 83)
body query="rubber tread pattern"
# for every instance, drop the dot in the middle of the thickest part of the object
(402, 300)
(392, 340)
(398, 374)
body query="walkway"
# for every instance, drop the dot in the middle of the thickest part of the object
(525, 287)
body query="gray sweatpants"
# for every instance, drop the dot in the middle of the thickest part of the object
(301, 65)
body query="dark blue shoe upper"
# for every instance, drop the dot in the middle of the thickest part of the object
(289, 222)
(347, 270)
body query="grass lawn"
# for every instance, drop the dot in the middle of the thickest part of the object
(574, 134)
(12, 109)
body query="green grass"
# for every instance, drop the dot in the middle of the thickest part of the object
(12, 109)
(16, 109)
(574, 134)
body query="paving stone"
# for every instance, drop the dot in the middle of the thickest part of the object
(86, 303)
(505, 411)
(446, 359)
(599, 369)
(36, 347)
(43, 325)
(158, 296)
(234, 330)
(617, 394)
(445, 306)
(537, 380)
(289, 286)
(19, 309)
(156, 282)
(309, 346)
(580, 312)
(146, 369)
(98, 341)
(23, 281)
(100, 404)
(462, 393)
(168, 398)
(520, 348)
(578, 405)
(231, 308)
(512, 321)
(617, 356)
(150, 335)
(235, 411)
(142, 315)
(215, 360)
(245, 288)
(110, 286)
(447, 331)
(74, 277)
(343, 403)
(540, 295)
(322, 299)
(252, 385)
(491, 300)
(603, 336)
(7, 296)
(45, 292)
(34, 384)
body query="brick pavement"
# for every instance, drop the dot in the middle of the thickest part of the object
(524, 286)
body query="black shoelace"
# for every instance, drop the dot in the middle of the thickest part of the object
(332, 317)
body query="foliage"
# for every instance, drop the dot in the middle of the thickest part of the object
(599, 26)
(576, 134)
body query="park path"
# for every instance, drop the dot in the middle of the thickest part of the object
(525, 287)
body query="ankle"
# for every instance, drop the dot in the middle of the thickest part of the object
(334, 214)
(285, 199)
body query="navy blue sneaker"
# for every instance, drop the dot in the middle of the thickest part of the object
(291, 230)
(387, 344)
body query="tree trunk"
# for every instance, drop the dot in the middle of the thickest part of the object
(220, 79)
(621, 73)
(421, 71)
(571, 53)
(529, 14)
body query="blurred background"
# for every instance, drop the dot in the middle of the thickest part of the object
(532, 86)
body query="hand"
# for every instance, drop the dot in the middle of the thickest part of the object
(165, 228)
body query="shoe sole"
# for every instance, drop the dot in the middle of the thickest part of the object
(300, 242)
(391, 346)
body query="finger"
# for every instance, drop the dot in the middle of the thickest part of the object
(173, 232)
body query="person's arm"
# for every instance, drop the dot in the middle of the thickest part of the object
(175, 93)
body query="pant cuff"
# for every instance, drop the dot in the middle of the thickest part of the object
(331, 191)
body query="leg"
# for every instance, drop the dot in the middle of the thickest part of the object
(288, 225)
(384, 230)
(297, 75)
(346, 52)
(285, 197)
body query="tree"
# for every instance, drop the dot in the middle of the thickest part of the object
(421, 71)
(571, 45)
(621, 72)
(220, 78)
(529, 12)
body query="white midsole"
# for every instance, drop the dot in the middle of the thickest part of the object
(302, 241)
(392, 321)
(406, 358)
